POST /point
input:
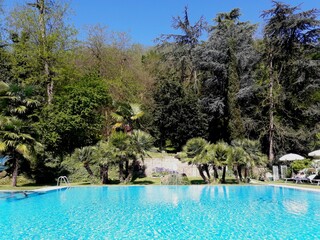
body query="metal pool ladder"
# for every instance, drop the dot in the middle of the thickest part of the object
(63, 179)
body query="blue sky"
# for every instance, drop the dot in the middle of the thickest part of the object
(145, 20)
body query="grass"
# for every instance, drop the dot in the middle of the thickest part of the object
(153, 181)
(147, 181)
(21, 187)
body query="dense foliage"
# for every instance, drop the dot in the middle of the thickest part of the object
(85, 108)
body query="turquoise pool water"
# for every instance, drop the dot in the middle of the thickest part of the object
(163, 212)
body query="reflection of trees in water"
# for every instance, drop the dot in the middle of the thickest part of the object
(298, 207)
(170, 195)
(175, 194)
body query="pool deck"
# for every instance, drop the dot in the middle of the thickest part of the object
(42, 190)
(48, 189)
(53, 188)
(295, 187)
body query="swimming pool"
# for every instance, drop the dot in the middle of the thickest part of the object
(163, 212)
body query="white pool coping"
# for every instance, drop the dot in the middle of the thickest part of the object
(42, 190)
(53, 188)
(48, 189)
(295, 187)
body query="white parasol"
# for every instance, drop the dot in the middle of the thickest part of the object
(314, 154)
(291, 157)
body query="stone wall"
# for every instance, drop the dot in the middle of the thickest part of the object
(170, 163)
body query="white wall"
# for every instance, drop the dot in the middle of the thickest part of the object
(171, 163)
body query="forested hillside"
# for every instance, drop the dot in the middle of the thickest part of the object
(104, 101)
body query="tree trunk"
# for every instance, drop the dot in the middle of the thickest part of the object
(87, 167)
(223, 179)
(121, 175)
(15, 172)
(206, 169)
(240, 172)
(132, 172)
(201, 173)
(126, 171)
(129, 178)
(49, 88)
(196, 81)
(41, 7)
(104, 175)
(271, 114)
(246, 174)
(215, 172)
(236, 174)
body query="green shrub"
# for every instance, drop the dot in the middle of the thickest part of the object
(175, 179)
(300, 164)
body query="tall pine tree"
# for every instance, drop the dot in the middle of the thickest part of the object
(227, 60)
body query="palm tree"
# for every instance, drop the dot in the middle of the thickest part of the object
(194, 153)
(252, 154)
(239, 158)
(120, 144)
(17, 100)
(16, 134)
(141, 142)
(86, 156)
(16, 142)
(222, 156)
(121, 148)
(106, 154)
(125, 116)
(208, 156)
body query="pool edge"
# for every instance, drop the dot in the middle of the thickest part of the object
(43, 190)
(294, 187)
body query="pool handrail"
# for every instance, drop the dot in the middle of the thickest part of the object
(63, 179)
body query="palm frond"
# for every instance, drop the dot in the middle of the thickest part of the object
(23, 150)
(10, 135)
(136, 109)
(3, 146)
(25, 136)
(7, 97)
(20, 109)
(117, 117)
(10, 143)
(3, 86)
(117, 125)
(137, 116)
(31, 102)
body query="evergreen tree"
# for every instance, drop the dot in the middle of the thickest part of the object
(179, 48)
(291, 41)
(227, 60)
(177, 114)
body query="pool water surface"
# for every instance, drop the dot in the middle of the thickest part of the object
(163, 212)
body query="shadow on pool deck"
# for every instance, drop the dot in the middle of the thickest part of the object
(36, 185)
(143, 182)
(197, 182)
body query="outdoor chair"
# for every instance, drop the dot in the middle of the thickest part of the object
(308, 179)
(316, 181)
(289, 179)
(296, 178)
